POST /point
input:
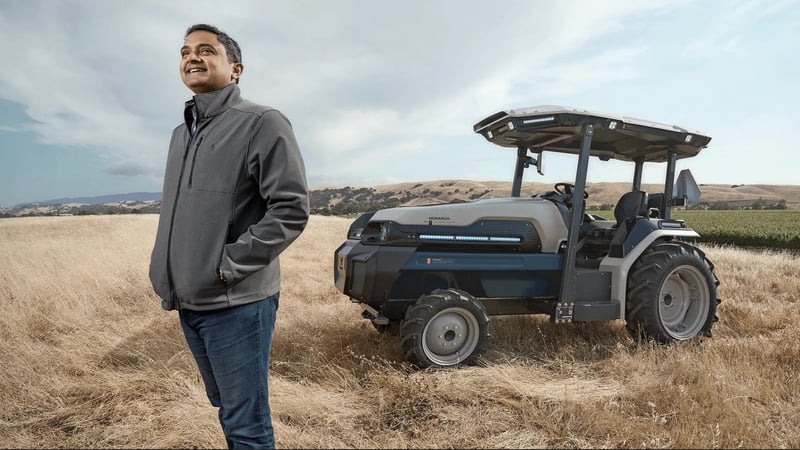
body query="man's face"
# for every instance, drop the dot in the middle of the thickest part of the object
(204, 63)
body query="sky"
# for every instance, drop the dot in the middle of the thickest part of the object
(381, 92)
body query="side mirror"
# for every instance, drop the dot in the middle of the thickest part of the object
(536, 162)
(540, 163)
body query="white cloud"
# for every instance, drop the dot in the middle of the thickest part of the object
(129, 169)
(103, 74)
(364, 83)
(82, 85)
(354, 128)
(723, 26)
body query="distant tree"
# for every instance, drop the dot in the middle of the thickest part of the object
(780, 205)
(719, 206)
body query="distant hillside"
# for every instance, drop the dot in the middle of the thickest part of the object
(348, 200)
(113, 198)
(353, 199)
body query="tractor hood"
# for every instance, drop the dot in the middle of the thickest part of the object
(558, 129)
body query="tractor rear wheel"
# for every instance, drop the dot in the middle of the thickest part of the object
(445, 328)
(672, 294)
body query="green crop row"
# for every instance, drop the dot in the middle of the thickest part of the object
(757, 228)
(745, 228)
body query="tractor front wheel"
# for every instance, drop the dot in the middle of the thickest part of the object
(445, 328)
(672, 294)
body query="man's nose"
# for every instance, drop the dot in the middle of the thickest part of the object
(194, 56)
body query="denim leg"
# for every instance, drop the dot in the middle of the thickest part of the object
(198, 349)
(231, 347)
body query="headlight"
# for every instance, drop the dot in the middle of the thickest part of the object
(384, 231)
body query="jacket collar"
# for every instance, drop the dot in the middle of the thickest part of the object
(212, 103)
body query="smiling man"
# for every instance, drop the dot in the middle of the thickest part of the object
(234, 197)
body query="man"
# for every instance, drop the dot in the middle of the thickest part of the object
(234, 198)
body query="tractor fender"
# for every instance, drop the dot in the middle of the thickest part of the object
(619, 266)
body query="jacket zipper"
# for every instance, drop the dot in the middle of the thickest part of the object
(174, 302)
(194, 158)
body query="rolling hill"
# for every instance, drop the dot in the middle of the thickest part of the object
(354, 199)
(336, 200)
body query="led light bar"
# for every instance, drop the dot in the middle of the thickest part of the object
(473, 238)
(504, 239)
(435, 237)
(538, 120)
(462, 238)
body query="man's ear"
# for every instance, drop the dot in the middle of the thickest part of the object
(238, 68)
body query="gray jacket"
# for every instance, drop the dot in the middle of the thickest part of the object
(234, 197)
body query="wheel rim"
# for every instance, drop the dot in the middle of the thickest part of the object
(683, 302)
(450, 336)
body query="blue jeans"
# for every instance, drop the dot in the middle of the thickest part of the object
(231, 347)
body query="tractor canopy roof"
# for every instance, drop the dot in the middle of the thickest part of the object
(559, 129)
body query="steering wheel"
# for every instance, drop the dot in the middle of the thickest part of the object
(567, 190)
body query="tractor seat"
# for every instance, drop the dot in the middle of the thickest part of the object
(629, 207)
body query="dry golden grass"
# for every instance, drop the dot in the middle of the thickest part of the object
(89, 359)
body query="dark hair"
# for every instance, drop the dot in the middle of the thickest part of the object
(231, 47)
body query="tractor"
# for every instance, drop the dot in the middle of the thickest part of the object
(437, 273)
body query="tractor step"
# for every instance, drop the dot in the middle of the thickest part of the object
(377, 318)
(583, 311)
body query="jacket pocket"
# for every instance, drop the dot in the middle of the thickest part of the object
(198, 240)
(225, 277)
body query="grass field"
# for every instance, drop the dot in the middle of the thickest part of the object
(91, 361)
